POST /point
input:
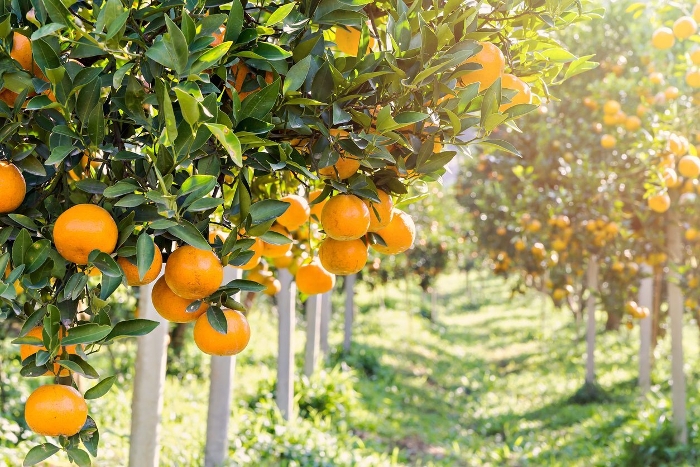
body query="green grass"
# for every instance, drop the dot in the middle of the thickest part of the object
(489, 383)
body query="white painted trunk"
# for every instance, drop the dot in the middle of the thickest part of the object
(349, 310)
(222, 370)
(149, 380)
(286, 300)
(592, 285)
(313, 331)
(646, 299)
(325, 322)
(675, 313)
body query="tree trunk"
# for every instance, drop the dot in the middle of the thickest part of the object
(177, 338)
(646, 299)
(613, 321)
(592, 285)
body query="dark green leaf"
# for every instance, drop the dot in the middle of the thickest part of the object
(101, 388)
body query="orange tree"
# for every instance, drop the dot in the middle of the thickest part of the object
(129, 133)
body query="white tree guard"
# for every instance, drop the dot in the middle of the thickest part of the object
(313, 331)
(592, 285)
(646, 297)
(675, 313)
(222, 371)
(149, 380)
(286, 300)
(325, 322)
(349, 310)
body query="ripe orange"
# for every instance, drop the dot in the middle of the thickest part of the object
(271, 250)
(342, 257)
(296, 214)
(131, 271)
(211, 342)
(689, 166)
(283, 262)
(608, 141)
(318, 207)
(692, 78)
(172, 307)
(696, 12)
(13, 187)
(83, 228)
(218, 36)
(671, 93)
(193, 273)
(347, 39)
(55, 410)
(633, 123)
(678, 144)
(346, 167)
(662, 39)
(684, 27)
(272, 286)
(492, 64)
(523, 94)
(313, 279)
(695, 56)
(257, 248)
(22, 51)
(398, 235)
(656, 78)
(345, 217)
(611, 107)
(384, 208)
(27, 350)
(659, 202)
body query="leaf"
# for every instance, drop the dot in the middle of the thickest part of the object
(47, 30)
(190, 235)
(171, 50)
(20, 247)
(259, 104)
(37, 254)
(189, 106)
(245, 285)
(280, 14)
(209, 58)
(58, 154)
(101, 388)
(131, 328)
(80, 457)
(234, 25)
(90, 185)
(217, 319)
(39, 453)
(266, 210)
(228, 140)
(145, 252)
(275, 238)
(85, 334)
(296, 76)
(501, 144)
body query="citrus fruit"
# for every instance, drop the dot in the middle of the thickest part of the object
(272, 286)
(193, 273)
(346, 167)
(659, 202)
(13, 187)
(633, 123)
(398, 235)
(342, 257)
(218, 36)
(172, 307)
(347, 39)
(689, 166)
(611, 107)
(55, 410)
(312, 279)
(82, 229)
(318, 207)
(662, 38)
(27, 350)
(684, 27)
(692, 78)
(345, 217)
(212, 342)
(283, 262)
(296, 214)
(492, 64)
(270, 250)
(695, 56)
(656, 78)
(523, 94)
(608, 141)
(131, 271)
(384, 208)
(22, 51)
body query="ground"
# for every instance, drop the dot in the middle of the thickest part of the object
(488, 383)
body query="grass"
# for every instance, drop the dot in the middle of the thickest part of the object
(491, 382)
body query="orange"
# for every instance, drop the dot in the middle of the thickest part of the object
(342, 257)
(22, 51)
(523, 94)
(656, 78)
(662, 38)
(272, 286)
(633, 123)
(211, 342)
(13, 187)
(346, 167)
(671, 93)
(492, 64)
(692, 78)
(678, 144)
(689, 166)
(313, 279)
(55, 410)
(283, 262)
(608, 141)
(611, 107)
(27, 350)
(695, 56)
(83, 228)
(345, 217)
(684, 27)
(131, 271)
(384, 208)
(347, 39)
(172, 307)
(271, 250)
(398, 235)
(218, 36)
(318, 207)
(696, 12)
(296, 214)
(257, 248)
(659, 202)
(193, 273)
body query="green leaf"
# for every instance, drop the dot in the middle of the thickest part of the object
(58, 154)
(39, 453)
(210, 57)
(47, 30)
(280, 14)
(228, 139)
(145, 252)
(131, 328)
(171, 50)
(189, 106)
(85, 334)
(79, 456)
(266, 210)
(245, 285)
(24, 221)
(101, 388)
(259, 104)
(296, 76)
(275, 238)
(217, 319)
(90, 185)
(190, 235)
(501, 144)
(37, 254)
(19, 249)
(234, 25)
